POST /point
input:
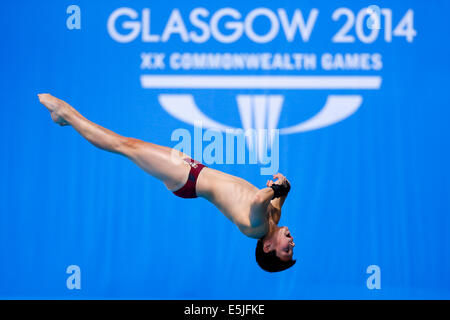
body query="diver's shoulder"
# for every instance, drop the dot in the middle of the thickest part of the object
(255, 232)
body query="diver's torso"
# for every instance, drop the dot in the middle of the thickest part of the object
(232, 196)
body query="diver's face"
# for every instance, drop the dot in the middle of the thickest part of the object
(284, 244)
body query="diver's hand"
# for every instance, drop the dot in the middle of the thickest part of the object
(281, 186)
(281, 180)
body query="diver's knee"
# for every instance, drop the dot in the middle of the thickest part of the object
(129, 146)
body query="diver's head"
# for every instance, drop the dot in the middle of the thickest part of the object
(274, 251)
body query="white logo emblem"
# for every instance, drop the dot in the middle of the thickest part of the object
(261, 111)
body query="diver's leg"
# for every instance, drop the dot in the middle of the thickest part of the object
(161, 162)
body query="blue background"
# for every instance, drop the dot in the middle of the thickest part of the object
(372, 189)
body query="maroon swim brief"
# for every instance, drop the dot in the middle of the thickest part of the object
(188, 190)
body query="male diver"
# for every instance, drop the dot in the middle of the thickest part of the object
(256, 212)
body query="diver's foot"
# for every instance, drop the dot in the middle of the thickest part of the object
(58, 108)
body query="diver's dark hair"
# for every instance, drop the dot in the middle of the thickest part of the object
(269, 261)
